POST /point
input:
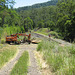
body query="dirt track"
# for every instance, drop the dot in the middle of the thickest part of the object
(41, 36)
(33, 68)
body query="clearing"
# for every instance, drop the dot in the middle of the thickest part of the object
(33, 68)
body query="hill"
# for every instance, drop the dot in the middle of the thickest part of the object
(49, 3)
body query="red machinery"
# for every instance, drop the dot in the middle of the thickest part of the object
(13, 38)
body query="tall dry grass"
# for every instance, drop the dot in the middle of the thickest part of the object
(61, 59)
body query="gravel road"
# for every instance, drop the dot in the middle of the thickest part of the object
(41, 36)
(33, 68)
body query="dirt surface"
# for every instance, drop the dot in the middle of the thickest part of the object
(41, 36)
(44, 67)
(33, 68)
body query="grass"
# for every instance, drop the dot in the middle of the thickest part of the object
(42, 31)
(6, 53)
(60, 59)
(22, 65)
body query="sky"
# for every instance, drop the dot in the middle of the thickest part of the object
(21, 3)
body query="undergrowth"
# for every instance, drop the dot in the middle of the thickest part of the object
(21, 66)
(60, 58)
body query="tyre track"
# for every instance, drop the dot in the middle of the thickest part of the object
(32, 69)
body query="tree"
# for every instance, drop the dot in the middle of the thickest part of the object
(40, 24)
(28, 24)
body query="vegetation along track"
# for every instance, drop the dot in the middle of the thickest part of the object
(33, 68)
(41, 36)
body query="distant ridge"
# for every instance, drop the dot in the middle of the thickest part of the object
(49, 3)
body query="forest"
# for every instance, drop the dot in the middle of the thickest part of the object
(38, 5)
(59, 18)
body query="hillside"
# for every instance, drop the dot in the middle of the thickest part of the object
(49, 3)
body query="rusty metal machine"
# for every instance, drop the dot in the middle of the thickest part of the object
(14, 38)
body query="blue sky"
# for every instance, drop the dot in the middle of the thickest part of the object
(21, 3)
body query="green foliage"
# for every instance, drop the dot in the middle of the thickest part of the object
(21, 67)
(22, 29)
(2, 41)
(42, 31)
(28, 23)
(9, 20)
(51, 25)
(1, 30)
(11, 30)
(6, 3)
(46, 31)
(0, 20)
(53, 33)
(65, 22)
(40, 24)
(59, 18)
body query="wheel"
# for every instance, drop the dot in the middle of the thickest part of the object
(14, 42)
(29, 42)
(9, 42)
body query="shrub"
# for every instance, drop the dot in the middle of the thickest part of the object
(55, 34)
(2, 41)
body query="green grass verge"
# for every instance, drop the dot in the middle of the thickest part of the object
(22, 65)
(42, 31)
(6, 53)
(60, 59)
